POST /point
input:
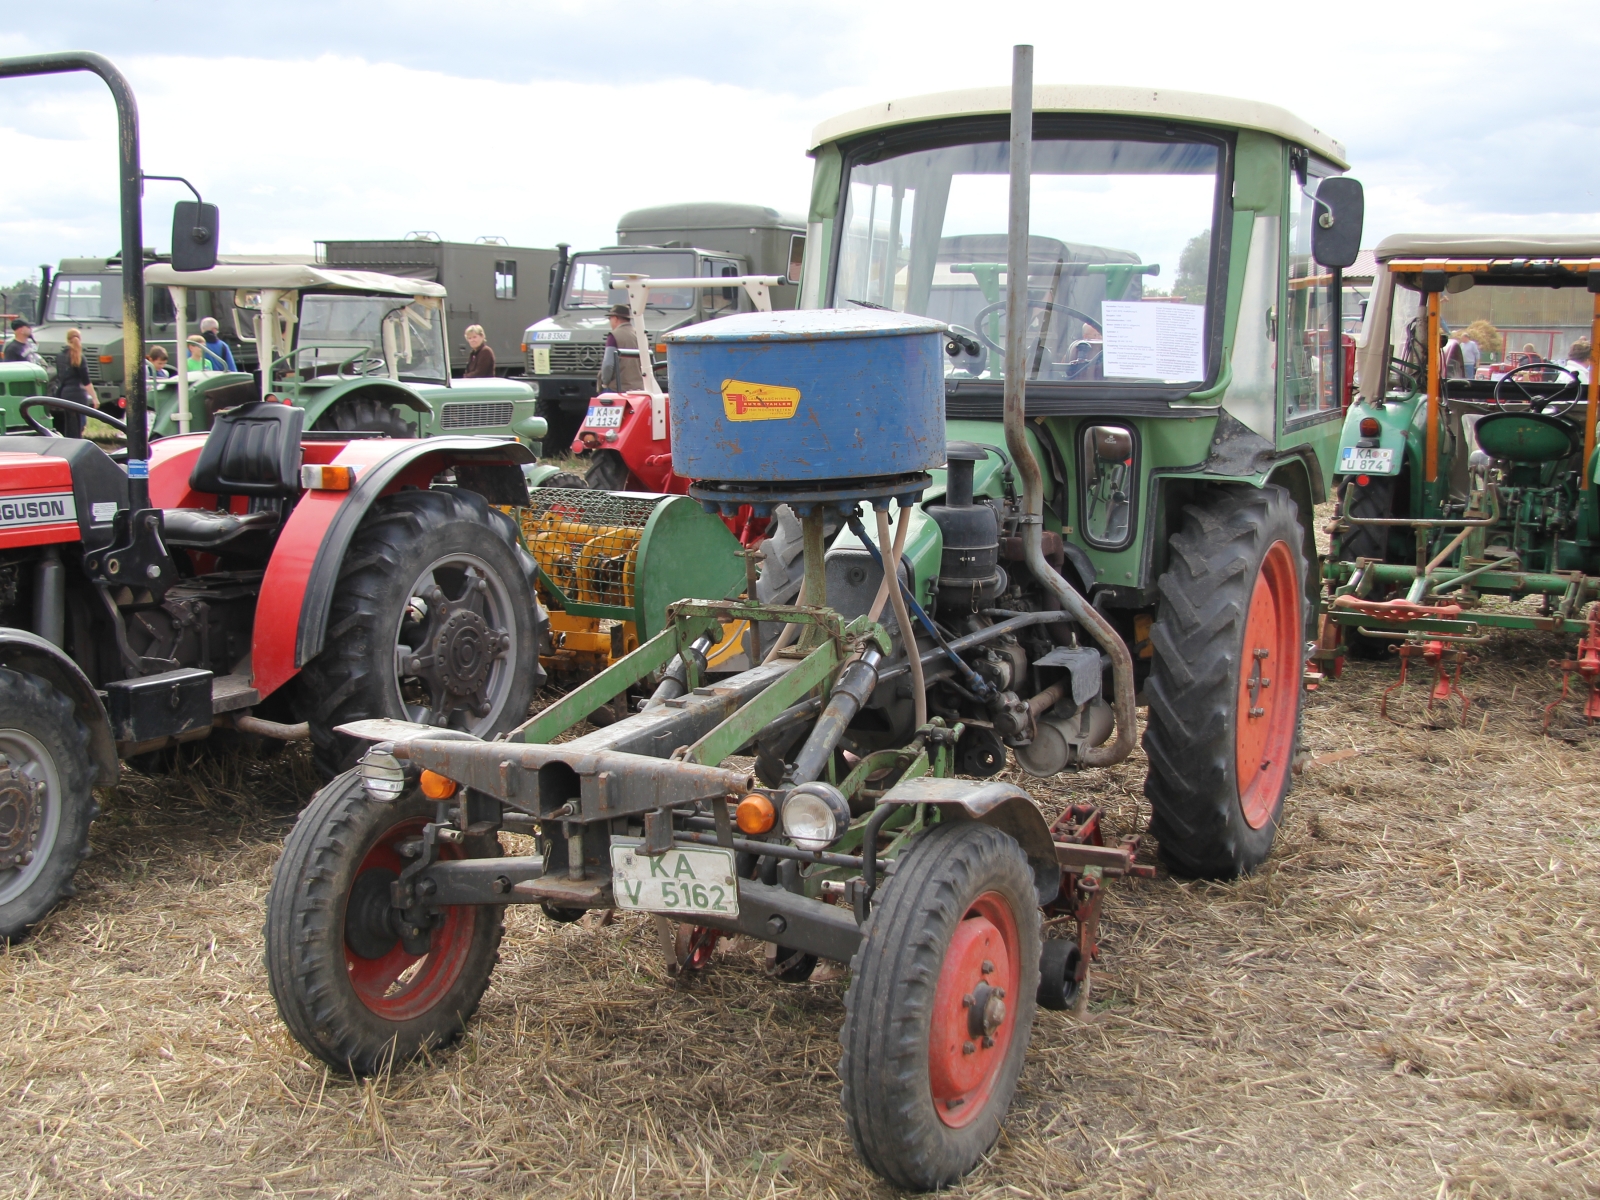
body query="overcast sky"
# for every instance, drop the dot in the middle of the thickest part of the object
(543, 121)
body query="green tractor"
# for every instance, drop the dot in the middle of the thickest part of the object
(358, 350)
(18, 381)
(1184, 394)
(1467, 472)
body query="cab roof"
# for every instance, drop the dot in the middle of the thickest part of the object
(291, 276)
(1193, 107)
(1488, 245)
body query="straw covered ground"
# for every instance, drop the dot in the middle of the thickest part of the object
(1402, 1003)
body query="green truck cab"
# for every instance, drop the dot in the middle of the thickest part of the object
(677, 241)
(356, 349)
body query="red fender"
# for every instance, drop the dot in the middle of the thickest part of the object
(297, 591)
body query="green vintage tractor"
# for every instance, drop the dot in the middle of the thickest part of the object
(358, 350)
(1184, 393)
(1468, 497)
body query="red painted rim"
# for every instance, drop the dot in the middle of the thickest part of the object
(400, 986)
(1268, 686)
(962, 1068)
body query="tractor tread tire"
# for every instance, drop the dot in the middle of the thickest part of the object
(608, 472)
(307, 972)
(1374, 500)
(364, 414)
(33, 705)
(1193, 687)
(887, 1097)
(344, 682)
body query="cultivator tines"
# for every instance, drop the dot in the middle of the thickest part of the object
(1447, 674)
(586, 543)
(1085, 860)
(1586, 666)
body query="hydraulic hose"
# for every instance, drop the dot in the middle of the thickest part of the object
(908, 631)
(1109, 640)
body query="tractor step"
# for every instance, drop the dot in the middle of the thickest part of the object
(230, 692)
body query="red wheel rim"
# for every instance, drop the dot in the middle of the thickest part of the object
(399, 985)
(963, 1060)
(1269, 686)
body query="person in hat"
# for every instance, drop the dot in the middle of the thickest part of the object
(620, 372)
(199, 362)
(22, 347)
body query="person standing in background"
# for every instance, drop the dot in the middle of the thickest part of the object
(480, 363)
(21, 347)
(1471, 352)
(620, 369)
(72, 383)
(217, 350)
(198, 361)
(1580, 355)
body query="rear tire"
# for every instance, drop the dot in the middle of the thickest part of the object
(355, 414)
(404, 547)
(46, 799)
(921, 1107)
(343, 982)
(1366, 541)
(608, 473)
(1225, 685)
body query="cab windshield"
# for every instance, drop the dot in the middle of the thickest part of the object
(1119, 259)
(86, 298)
(337, 329)
(590, 279)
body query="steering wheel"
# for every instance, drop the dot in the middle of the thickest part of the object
(32, 402)
(366, 364)
(1540, 403)
(1042, 305)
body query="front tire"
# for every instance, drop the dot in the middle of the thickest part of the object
(434, 620)
(343, 981)
(46, 799)
(934, 1041)
(354, 414)
(1225, 685)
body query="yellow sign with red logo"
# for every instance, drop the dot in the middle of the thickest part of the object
(758, 401)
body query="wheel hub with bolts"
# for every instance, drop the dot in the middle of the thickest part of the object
(21, 816)
(970, 1033)
(457, 649)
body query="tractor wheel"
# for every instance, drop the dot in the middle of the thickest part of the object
(1374, 500)
(434, 620)
(564, 479)
(46, 801)
(561, 427)
(343, 980)
(608, 472)
(1224, 687)
(941, 1006)
(355, 414)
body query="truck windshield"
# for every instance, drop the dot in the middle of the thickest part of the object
(1119, 258)
(86, 298)
(589, 282)
(336, 329)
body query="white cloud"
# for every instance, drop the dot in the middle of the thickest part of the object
(545, 121)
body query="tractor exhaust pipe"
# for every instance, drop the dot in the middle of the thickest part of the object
(1121, 745)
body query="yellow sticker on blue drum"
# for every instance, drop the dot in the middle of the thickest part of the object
(758, 401)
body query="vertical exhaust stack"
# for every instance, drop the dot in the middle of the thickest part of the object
(1120, 746)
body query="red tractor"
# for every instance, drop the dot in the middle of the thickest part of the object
(280, 583)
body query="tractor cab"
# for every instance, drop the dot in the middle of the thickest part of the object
(357, 350)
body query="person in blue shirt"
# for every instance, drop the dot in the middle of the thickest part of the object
(217, 350)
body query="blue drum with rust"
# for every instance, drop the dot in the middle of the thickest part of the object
(810, 403)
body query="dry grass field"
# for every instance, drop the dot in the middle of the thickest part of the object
(1402, 1003)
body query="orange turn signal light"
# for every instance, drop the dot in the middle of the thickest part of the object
(436, 786)
(755, 814)
(319, 478)
(661, 347)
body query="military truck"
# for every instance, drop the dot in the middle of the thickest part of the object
(501, 287)
(357, 350)
(710, 240)
(86, 294)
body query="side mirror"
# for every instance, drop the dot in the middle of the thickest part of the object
(1336, 228)
(194, 236)
(797, 254)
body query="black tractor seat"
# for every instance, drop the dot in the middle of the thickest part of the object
(252, 450)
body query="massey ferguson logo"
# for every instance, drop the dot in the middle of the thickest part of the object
(37, 510)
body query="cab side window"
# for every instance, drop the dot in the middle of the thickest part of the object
(720, 302)
(1307, 341)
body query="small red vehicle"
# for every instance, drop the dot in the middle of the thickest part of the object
(280, 584)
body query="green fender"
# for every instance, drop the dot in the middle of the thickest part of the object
(1399, 429)
(318, 397)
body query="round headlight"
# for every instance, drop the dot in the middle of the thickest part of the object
(814, 815)
(383, 776)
